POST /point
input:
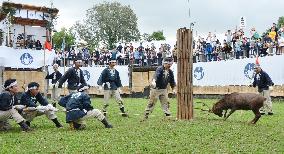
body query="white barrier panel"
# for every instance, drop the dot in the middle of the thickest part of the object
(237, 72)
(218, 73)
(25, 58)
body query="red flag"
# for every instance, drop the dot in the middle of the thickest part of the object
(47, 45)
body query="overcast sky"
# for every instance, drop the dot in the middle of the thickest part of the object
(169, 15)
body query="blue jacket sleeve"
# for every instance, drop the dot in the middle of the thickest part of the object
(268, 79)
(41, 100)
(64, 78)
(63, 101)
(86, 103)
(82, 79)
(50, 76)
(118, 84)
(172, 79)
(102, 77)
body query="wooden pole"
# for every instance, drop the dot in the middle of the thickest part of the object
(184, 80)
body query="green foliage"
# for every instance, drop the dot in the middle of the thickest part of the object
(280, 21)
(58, 38)
(146, 37)
(108, 23)
(207, 133)
(158, 36)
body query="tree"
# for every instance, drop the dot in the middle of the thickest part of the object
(108, 23)
(146, 37)
(280, 21)
(158, 36)
(58, 38)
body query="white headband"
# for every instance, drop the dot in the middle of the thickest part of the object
(11, 85)
(84, 88)
(31, 88)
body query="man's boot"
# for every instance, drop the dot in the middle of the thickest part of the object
(123, 113)
(56, 122)
(78, 126)
(5, 125)
(106, 123)
(24, 126)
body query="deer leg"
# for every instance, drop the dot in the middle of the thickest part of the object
(232, 111)
(257, 116)
(225, 113)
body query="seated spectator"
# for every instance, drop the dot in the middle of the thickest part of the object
(38, 45)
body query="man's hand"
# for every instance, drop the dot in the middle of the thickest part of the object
(119, 90)
(174, 91)
(153, 84)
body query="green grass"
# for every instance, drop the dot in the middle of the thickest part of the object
(207, 133)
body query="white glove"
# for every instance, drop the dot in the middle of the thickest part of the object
(100, 88)
(19, 107)
(108, 85)
(174, 91)
(270, 88)
(56, 85)
(119, 90)
(153, 83)
(42, 108)
(51, 108)
(30, 109)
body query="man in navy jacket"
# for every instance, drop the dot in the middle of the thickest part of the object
(111, 80)
(264, 84)
(7, 110)
(30, 98)
(162, 77)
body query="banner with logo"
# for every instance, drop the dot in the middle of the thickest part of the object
(219, 73)
(237, 72)
(25, 58)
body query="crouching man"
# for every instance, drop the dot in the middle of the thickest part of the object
(30, 98)
(78, 109)
(7, 111)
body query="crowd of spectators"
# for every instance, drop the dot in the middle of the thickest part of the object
(237, 46)
(148, 55)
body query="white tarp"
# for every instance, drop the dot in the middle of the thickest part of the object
(25, 58)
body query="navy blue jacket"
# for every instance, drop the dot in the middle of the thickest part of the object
(262, 81)
(7, 100)
(110, 76)
(73, 79)
(75, 104)
(31, 101)
(162, 80)
(55, 76)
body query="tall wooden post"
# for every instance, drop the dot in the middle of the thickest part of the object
(184, 74)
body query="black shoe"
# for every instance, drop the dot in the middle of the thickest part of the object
(270, 113)
(262, 113)
(28, 123)
(124, 114)
(108, 126)
(167, 115)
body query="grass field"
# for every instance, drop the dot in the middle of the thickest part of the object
(205, 134)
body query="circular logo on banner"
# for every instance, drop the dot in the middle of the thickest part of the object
(86, 75)
(198, 73)
(26, 59)
(249, 71)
